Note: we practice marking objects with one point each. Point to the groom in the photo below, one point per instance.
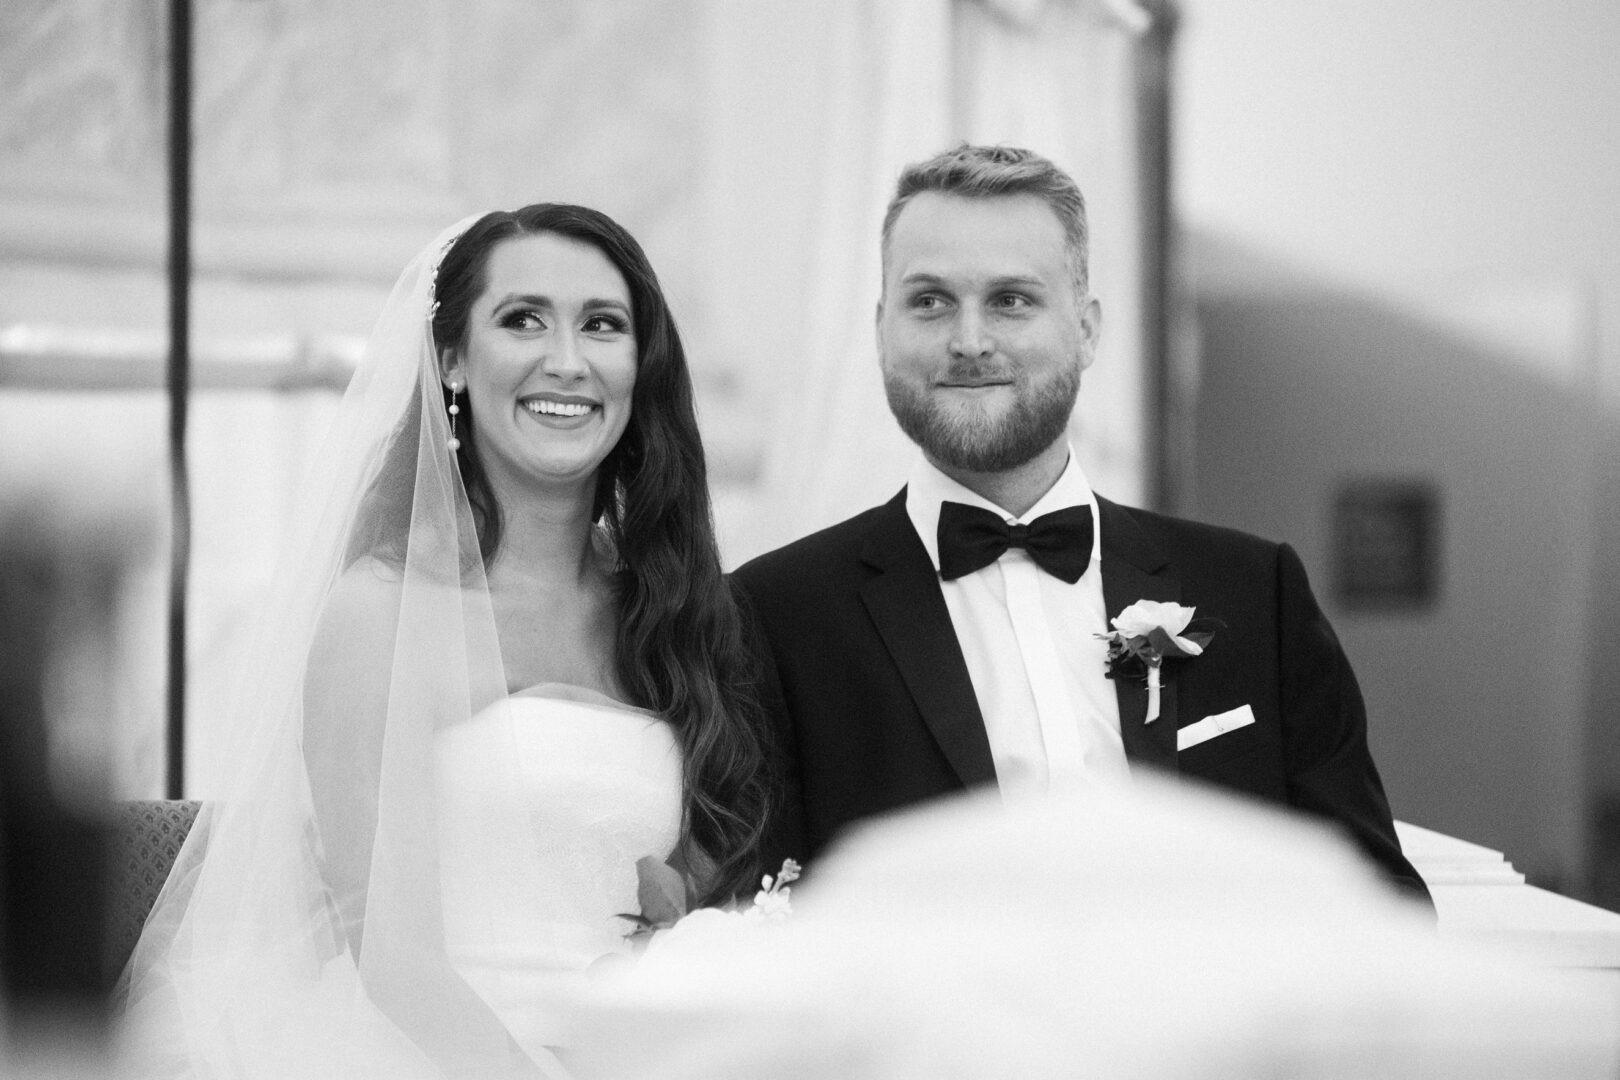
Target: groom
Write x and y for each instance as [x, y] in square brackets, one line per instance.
[950, 638]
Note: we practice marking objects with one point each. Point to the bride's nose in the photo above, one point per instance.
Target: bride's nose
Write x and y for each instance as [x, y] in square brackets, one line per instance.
[560, 357]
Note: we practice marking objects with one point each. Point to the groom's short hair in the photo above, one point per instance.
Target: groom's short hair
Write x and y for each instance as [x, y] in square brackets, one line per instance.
[983, 171]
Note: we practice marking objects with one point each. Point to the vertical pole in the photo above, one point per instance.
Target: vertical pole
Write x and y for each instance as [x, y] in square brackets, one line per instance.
[179, 379]
[1167, 421]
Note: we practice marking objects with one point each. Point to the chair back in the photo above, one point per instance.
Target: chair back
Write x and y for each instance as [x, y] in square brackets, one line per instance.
[147, 835]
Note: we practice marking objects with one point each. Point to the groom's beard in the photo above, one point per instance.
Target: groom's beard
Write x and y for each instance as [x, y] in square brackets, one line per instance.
[974, 440]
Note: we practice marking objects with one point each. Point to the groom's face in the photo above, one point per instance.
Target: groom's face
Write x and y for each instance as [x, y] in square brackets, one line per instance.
[981, 330]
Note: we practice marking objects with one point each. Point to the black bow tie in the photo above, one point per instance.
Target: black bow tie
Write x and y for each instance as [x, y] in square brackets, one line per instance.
[971, 538]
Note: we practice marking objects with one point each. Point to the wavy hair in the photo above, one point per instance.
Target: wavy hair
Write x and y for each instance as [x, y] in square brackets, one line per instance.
[680, 645]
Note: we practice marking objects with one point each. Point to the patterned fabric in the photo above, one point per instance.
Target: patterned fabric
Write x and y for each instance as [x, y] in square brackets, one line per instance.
[147, 835]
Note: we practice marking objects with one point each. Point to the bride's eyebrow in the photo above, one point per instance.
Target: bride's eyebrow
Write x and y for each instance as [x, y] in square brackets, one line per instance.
[531, 299]
[536, 300]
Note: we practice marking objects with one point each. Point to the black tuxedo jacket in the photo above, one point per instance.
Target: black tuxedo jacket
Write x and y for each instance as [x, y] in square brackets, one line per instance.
[882, 712]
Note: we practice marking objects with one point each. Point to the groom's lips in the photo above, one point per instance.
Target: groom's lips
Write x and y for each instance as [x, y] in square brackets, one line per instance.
[974, 377]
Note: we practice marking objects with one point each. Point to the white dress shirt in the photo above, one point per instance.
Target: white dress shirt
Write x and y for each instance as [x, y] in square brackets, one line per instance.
[1029, 639]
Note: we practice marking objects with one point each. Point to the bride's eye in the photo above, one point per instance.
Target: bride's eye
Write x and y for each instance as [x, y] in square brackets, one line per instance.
[605, 324]
[522, 319]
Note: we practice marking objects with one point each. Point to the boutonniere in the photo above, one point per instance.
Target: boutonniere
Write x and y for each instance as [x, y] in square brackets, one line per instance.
[1148, 633]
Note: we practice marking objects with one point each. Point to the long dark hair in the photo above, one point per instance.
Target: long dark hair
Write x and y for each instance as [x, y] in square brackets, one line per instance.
[680, 646]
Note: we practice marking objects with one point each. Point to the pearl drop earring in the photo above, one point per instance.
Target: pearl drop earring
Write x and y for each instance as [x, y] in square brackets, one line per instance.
[454, 410]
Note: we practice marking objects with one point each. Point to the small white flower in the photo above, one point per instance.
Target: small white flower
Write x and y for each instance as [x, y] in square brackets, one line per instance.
[771, 906]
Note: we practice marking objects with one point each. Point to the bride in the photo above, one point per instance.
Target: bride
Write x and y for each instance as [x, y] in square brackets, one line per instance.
[501, 668]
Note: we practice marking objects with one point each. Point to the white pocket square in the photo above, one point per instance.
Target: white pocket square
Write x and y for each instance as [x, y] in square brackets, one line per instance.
[1211, 726]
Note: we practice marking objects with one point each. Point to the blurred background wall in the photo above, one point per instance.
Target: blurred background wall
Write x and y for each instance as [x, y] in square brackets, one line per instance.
[1398, 270]
[1404, 251]
[750, 148]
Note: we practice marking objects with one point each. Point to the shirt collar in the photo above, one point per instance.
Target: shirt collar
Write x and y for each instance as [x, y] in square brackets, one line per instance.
[927, 487]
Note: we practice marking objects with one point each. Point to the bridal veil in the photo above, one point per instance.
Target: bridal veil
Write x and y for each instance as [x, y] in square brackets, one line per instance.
[300, 932]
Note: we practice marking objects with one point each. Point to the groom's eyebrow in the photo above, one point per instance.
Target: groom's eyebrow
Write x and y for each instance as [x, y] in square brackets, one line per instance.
[1017, 281]
[1023, 281]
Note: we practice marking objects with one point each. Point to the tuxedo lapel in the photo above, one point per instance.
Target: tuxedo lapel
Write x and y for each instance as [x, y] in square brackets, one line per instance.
[908, 609]
[1134, 569]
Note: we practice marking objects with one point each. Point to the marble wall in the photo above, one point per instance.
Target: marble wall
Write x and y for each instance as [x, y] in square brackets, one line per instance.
[328, 121]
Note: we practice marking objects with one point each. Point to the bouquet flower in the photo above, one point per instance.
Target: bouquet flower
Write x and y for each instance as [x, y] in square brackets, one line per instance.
[666, 896]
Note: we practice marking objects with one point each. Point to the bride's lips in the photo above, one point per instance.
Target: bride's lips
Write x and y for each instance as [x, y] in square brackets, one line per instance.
[560, 410]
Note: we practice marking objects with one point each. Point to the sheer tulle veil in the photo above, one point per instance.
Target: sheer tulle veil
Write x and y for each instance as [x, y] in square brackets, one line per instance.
[252, 963]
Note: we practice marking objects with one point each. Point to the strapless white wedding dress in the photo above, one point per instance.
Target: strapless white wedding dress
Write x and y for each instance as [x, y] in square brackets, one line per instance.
[538, 862]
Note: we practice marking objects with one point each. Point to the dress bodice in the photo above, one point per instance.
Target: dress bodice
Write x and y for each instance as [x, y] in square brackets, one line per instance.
[546, 799]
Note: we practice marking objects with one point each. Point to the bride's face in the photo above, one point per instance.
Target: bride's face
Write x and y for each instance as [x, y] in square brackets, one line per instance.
[549, 361]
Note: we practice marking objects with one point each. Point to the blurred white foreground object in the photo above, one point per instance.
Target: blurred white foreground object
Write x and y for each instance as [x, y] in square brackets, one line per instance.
[1146, 932]
[1481, 899]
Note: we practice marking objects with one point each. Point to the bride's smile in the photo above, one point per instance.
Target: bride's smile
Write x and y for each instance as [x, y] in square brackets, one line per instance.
[558, 408]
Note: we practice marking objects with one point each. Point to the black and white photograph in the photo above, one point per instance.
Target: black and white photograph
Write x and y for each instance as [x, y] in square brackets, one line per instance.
[809, 540]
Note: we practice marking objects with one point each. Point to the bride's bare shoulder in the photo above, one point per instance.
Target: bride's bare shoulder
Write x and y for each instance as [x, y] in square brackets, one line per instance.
[364, 601]
[351, 660]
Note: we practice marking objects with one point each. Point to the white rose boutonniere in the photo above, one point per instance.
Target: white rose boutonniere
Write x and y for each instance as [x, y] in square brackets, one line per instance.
[1149, 632]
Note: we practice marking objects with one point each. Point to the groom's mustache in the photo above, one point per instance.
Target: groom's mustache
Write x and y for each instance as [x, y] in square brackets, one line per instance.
[978, 374]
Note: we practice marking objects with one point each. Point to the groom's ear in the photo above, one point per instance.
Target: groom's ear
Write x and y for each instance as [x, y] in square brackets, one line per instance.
[1091, 331]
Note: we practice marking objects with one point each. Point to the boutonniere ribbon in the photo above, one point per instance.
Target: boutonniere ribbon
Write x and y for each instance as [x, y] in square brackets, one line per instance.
[1148, 633]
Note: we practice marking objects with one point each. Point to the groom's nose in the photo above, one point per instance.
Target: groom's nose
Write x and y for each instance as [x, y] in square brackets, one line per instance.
[970, 337]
